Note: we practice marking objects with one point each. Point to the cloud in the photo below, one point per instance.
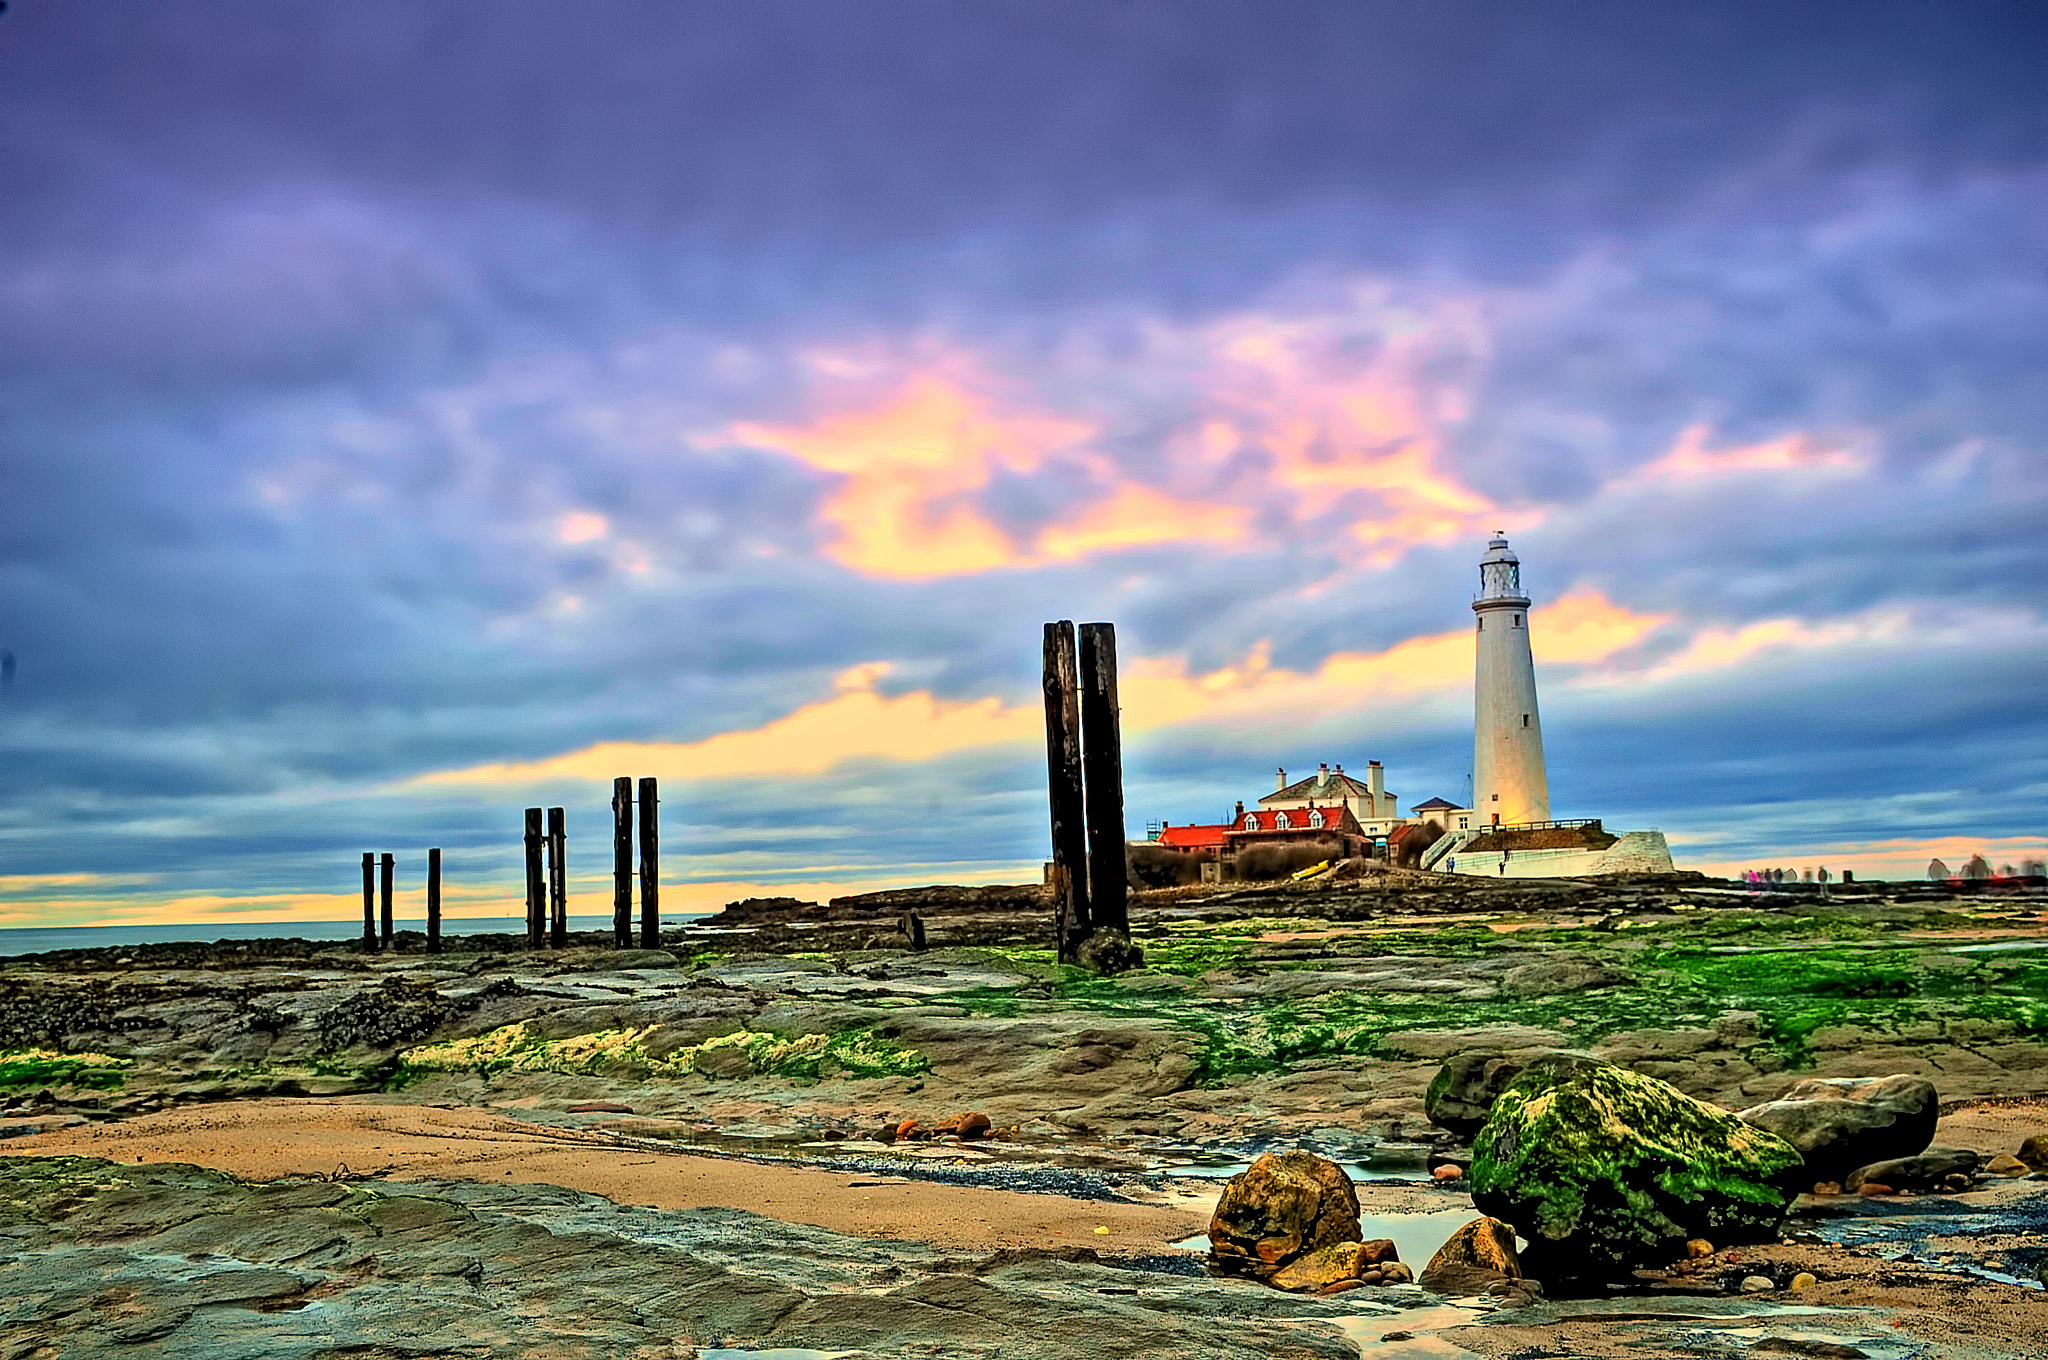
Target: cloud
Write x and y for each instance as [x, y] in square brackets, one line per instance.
[860, 722]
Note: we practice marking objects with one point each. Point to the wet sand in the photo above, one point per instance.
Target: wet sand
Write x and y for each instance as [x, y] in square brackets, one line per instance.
[270, 1139]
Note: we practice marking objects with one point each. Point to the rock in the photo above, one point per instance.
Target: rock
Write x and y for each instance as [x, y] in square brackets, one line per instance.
[1827, 1187]
[1698, 1249]
[1840, 1123]
[1478, 1257]
[2005, 1164]
[1757, 1284]
[1555, 977]
[1338, 1261]
[633, 960]
[600, 1107]
[1449, 1171]
[1108, 952]
[1873, 1189]
[1805, 1279]
[973, 1124]
[1603, 1170]
[1465, 1088]
[1818, 1350]
[1284, 1206]
[1395, 1272]
[2034, 1152]
[909, 1129]
[1924, 1172]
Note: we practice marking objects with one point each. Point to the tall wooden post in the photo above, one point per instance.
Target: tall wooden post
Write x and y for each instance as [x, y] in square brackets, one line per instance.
[622, 863]
[536, 883]
[434, 900]
[558, 878]
[1102, 777]
[369, 901]
[650, 866]
[386, 868]
[1063, 790]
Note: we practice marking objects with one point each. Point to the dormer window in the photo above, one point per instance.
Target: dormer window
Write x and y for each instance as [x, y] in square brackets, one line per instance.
[1315, 819]
[1251, 821]
[1280, 822]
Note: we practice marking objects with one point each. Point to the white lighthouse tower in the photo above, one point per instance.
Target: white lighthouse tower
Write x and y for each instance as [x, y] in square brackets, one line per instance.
[1508, 782]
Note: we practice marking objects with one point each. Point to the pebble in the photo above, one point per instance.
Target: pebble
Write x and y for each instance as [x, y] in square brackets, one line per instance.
[1449, 1171]
[1872, 1189]
[1757, 1284]
[1698, 1249]
[1805, 1279]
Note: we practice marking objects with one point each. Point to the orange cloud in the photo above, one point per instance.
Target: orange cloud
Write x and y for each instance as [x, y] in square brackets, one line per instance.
[908, 466]
[860, 722]
[1690, 459]
[1903, 857]
[1359, 439]
[857, 722]
[1335, 428]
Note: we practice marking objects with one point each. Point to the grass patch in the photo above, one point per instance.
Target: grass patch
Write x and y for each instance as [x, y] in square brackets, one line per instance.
[39, 1067]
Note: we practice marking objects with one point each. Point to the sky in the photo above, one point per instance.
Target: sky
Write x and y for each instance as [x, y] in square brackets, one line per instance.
[413, 412]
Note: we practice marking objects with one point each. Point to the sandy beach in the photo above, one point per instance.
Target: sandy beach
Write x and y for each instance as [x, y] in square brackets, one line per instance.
[265, 1140]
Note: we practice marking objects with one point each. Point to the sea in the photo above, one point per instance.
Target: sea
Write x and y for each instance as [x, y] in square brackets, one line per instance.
[40, 939]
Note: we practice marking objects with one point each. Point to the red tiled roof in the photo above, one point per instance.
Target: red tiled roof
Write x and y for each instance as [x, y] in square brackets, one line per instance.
[1193, 837]
[1335, 818]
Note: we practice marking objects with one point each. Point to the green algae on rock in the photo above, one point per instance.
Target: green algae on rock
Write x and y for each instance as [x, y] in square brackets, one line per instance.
[1604, 1170]
[521, 1047]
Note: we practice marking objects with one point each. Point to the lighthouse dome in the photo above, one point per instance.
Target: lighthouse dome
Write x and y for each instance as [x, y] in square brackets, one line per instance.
[1500, 572]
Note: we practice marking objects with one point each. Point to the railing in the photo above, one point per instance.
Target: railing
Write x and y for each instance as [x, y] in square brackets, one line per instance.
[1572, 822]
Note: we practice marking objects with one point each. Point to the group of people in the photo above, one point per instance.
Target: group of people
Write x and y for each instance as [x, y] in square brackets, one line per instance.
[1758, 878]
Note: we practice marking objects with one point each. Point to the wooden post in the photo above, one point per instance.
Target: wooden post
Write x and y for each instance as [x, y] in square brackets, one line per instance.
[536, 883]
[1102, 777]
[434, 900]
[386, 868]
[1063, 789]
[622, 863]
[558, 878]
[369, 902]
[650, 866]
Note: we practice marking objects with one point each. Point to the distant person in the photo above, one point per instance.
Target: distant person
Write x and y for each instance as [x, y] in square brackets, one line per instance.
[1936, 871]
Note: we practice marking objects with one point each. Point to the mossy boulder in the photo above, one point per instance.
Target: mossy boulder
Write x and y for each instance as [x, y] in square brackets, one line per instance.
[1285, 1206]
[1604, 1170]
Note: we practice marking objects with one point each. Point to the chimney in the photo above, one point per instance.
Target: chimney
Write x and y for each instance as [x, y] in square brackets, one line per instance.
[1323, 773]
[1280, 779]
[1237, 816]
[1376, 780]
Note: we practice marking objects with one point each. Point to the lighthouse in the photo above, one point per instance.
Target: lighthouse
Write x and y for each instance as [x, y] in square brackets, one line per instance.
[1508, 782]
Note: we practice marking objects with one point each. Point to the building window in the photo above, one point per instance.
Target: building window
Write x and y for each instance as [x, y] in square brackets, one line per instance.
[1251, 821]
[1518, 620]
[1280, 822]
[1315, 819]
[1482, 623]
[1525, 720]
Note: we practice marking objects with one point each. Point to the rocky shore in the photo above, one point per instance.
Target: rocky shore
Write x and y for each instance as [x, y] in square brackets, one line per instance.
[815, 1040]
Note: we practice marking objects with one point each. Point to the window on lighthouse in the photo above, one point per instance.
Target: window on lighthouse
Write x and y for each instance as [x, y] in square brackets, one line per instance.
[1518, 620]
[1525, 720]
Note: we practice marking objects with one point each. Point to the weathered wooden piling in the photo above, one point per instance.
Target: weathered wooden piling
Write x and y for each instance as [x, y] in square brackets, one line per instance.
[650, 865]
[434, 900]
[622, 862]
[369, 901]
[1063, 789]
[558, 878]
[386, 868]
[536, 883]
[1102, 779]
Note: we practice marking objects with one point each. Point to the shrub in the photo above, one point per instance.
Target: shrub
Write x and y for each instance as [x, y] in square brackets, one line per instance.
[1261, 862]
[1157, 866]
